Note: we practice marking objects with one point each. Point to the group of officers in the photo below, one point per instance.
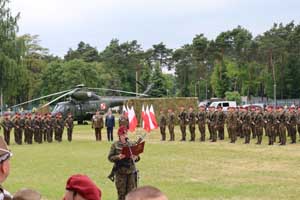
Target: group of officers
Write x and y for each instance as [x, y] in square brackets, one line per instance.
[38, 128]
[244, 122]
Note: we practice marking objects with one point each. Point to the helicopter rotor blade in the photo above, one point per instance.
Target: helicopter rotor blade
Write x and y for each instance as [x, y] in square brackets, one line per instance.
[57, 98]
[122, 91]
[36, 99]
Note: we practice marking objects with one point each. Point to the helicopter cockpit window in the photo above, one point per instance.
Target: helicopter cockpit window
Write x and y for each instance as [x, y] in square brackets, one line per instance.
[59, 108]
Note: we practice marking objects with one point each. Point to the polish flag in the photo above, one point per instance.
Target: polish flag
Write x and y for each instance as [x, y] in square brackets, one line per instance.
[152, 117]
[132, 119]
[149, 117]
[146, 123]
[125, 110]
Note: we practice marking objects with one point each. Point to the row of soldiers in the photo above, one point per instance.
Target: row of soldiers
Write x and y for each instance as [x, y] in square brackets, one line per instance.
[241, 122]
[38, 128]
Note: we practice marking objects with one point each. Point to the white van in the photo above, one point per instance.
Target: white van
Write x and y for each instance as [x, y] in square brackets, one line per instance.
[224, 104]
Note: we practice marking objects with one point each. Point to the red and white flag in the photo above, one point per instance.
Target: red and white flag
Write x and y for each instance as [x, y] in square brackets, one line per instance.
[132, 119]
[152, 117]
[125, 110]
[145, 118]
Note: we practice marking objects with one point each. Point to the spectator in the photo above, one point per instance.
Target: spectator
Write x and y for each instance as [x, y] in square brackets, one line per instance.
[27, 194]
[5, 154]
[146, 193]
[81, 187]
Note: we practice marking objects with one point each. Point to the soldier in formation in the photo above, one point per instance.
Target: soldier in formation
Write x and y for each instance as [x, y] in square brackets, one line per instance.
[69, 124]
[183, 119]
[171, 124]
[192, 123]
[162, 125]
[97, 124]
[201, 119]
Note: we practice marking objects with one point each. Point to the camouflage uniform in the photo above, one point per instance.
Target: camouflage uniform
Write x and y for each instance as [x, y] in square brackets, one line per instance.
[37, 130]
[183, 118]
[192, 124]
[291, 123]
[259, 124]
[246, 126]
[298, 121]
[212, 116]
[171, 124]
[69, 123]
[98, 124]
[220, 120]
[126, 178]
[201, 117]
[281, 118]
[18, 130]
[253, 129]
[7, 126]
[29, 130]
[123, 121]
[270, 128]
[232, 120]
[162, 126]
[59, 129]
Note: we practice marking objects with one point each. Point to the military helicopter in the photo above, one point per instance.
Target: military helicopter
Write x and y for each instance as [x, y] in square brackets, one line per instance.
[84, 102]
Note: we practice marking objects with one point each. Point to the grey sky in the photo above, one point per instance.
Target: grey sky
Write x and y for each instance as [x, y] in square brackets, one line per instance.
[61, 24]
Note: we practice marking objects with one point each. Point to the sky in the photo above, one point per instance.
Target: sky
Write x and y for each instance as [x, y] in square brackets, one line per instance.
[62, 24]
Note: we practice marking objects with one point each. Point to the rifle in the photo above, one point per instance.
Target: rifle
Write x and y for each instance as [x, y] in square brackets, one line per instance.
[111, 176]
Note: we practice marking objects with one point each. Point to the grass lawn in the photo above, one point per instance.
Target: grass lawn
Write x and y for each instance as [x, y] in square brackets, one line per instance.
[183, 170]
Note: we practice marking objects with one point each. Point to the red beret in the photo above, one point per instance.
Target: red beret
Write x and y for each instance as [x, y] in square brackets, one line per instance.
[84, 186]
[122, 130]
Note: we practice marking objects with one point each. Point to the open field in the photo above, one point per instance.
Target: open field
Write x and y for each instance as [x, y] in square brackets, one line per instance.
[183, 170]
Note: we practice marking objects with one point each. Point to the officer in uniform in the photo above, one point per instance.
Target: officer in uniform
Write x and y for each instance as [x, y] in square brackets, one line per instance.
[183, 119]
[49, 127]
[292, 122]
[59, 127]
[192, 123]
[37, 128]
[5, 155]
[7, 126]
[245, 119]
[123, 120]
[17, 129]
[298, 120]
[29, 126]
[211, 121]
[201, 118]
[270, 121]
[281, 120]
[69, 123]
[252, 114]
[232, 120]
[124, 168]
[171, 124]
[162, 125]
[259, 124]
[220, 120]
[97, 124]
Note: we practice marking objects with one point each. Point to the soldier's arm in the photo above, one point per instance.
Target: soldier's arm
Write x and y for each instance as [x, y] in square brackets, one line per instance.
[112, 156]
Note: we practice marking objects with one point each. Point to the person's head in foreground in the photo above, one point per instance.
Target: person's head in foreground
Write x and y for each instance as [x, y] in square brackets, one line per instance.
[27, 194]
[146, 193]
[81, 187]
[122, 133]
[5, 154]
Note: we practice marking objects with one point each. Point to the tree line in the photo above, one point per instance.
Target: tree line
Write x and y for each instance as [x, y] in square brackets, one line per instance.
[235, 63]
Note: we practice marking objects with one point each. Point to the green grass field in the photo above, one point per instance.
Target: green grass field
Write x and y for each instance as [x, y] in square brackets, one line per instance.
[183, 170]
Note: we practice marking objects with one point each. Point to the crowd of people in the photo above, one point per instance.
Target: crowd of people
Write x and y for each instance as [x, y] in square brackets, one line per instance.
[39, 128]
[241, 122]
[78, 186]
